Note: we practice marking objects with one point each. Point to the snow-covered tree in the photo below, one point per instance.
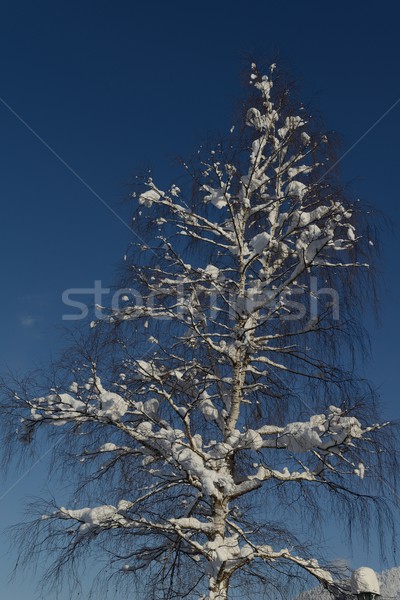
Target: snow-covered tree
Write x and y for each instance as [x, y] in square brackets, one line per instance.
[213, 412]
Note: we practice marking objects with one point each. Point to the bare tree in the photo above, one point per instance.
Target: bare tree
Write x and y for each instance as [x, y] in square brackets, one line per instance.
[213, 412]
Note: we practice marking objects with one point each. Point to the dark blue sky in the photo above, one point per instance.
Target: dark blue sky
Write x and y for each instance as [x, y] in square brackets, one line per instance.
[112, 87]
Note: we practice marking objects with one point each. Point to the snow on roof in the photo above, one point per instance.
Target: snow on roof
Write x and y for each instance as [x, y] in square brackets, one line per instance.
[364, 579]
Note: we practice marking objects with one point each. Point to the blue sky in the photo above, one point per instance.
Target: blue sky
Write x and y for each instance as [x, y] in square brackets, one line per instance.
[112, 87]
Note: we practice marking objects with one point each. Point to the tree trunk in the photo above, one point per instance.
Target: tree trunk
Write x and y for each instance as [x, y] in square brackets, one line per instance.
[219, 579]
[218, 589]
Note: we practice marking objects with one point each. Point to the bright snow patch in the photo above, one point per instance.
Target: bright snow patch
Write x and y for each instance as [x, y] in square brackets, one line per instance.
[364, 579]
[218, 197]
[147, 198]
[260, 242]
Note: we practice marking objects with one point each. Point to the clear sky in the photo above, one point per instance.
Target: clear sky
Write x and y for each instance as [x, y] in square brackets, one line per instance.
[112, 87]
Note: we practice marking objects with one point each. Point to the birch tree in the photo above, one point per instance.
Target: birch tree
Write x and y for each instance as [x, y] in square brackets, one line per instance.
[213, 411]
